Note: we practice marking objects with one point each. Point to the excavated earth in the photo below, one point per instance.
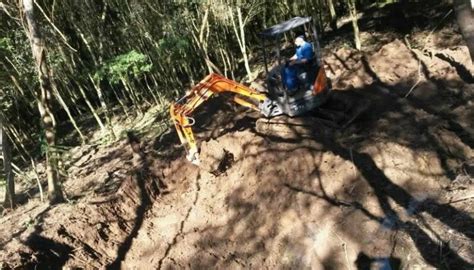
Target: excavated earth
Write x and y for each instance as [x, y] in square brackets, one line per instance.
[393, 188]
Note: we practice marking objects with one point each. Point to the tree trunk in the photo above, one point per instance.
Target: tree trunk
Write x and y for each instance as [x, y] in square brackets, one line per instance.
[465, 18]
[69, 114]
[44, 95]
[332, 14]
[201, 41]
[243, 46]
[105, 108]
[355, 26]
[240, 35]
[7, 166]
[91, 108]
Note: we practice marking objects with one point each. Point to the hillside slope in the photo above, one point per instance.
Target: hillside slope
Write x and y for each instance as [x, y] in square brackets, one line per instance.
[395, 187]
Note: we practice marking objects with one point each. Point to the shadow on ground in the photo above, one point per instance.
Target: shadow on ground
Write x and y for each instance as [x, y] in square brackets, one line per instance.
[427, 121]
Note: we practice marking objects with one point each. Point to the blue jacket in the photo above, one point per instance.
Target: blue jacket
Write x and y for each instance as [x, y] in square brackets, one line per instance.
[304, 51]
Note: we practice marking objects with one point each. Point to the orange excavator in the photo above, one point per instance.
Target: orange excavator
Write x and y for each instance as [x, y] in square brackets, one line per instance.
[311, 92]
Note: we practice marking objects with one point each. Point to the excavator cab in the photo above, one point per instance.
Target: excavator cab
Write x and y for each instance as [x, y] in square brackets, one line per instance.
[312, 88]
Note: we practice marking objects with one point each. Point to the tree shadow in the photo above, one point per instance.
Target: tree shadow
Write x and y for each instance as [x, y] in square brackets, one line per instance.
[431, 106]
[38, 219]
[394, 19]
[364, 262]
[462, 71]
[387, 105]
[384, 189]
[48, 253]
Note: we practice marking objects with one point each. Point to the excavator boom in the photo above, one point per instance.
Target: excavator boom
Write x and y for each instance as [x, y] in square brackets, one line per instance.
[182, 109]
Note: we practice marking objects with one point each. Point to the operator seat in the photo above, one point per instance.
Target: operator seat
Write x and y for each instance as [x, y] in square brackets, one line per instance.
[311, 73]
[308, 76]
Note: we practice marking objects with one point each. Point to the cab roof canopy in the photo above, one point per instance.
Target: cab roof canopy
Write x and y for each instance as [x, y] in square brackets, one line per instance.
[278, 29]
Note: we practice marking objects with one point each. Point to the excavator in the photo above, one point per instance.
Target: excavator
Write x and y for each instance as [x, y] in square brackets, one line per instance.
[276, 100]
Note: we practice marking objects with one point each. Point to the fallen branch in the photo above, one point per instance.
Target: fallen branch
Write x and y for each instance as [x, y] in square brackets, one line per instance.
[465, 198]
[344, 246]
[423, 50]
[418, 80]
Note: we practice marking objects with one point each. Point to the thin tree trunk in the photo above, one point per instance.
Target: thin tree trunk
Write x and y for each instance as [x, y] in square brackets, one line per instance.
[133, 97]
[197, 44]
[7, 166]
[44, 96]
[332, 14]
[243, 48]
[69, 114]
[240, 35]
[355, 26]
[155, 99]
[105, 108]
[465, 18]
[119, 99]
[17, 143]
[91, 108]
[201, 41]
[38, 182]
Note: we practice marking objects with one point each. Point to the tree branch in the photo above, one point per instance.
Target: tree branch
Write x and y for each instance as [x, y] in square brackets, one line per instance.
[54, 27]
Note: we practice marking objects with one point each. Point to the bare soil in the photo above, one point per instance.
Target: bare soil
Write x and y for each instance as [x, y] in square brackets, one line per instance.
[395, 187]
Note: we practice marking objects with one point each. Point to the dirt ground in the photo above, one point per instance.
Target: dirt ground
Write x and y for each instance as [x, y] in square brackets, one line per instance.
[393, 189]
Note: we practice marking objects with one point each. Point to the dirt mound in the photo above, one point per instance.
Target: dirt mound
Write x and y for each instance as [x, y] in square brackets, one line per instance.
[346, 69]
[100, 228]
[394, 187]
[215, 158]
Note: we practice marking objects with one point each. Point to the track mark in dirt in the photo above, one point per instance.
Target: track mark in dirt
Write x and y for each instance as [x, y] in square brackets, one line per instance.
[143, 178]
[181, 226]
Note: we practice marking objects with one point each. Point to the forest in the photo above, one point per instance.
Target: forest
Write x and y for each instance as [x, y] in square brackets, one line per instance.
[94, 175]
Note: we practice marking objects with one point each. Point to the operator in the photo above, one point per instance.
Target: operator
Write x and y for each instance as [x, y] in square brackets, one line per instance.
[304, 52]
[295, 72]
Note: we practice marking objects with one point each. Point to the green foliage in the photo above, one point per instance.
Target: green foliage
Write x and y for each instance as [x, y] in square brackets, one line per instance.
[172, 47]
[43, 145]
[5, 44]
[55, 60]
[129, 65]
[6, 98]
[30, 222]
[45, 149]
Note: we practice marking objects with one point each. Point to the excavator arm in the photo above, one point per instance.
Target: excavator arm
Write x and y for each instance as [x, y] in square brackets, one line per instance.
[181, 111]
